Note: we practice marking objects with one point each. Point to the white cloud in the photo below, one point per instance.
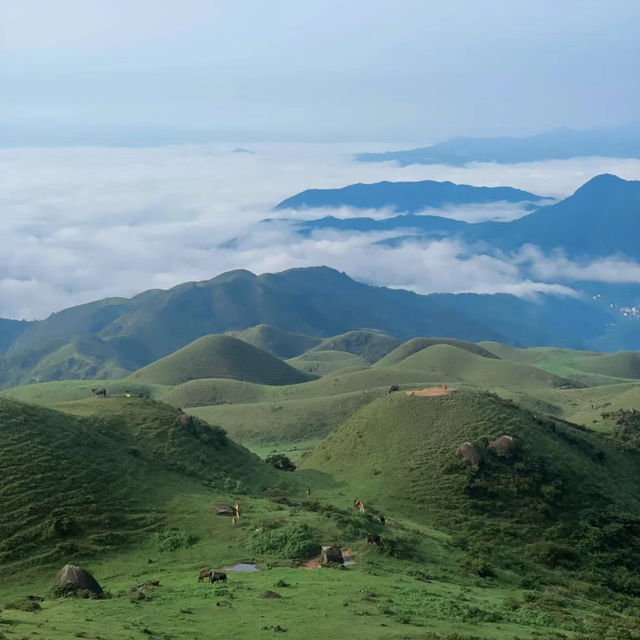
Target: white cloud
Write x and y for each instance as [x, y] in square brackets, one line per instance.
[80, 224]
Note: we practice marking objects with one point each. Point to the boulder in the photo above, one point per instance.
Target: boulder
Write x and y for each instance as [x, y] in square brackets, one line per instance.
[468, 454]
[223, 509]
[503, 445]
[332, 554]
[72, 578]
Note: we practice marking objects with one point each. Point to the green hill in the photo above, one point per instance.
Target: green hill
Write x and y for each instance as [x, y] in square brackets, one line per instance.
[589, 367]
[450, 363]
[369, 345]
[415, 345]
[282, 344]
[540, 506]
[219, 356]
[321, 363]
[72, 487]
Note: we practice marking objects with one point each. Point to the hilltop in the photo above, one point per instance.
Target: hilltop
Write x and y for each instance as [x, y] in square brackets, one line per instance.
[219, 356]
[407, 197]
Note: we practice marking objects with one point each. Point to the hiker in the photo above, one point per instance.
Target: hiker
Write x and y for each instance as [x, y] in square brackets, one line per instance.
[308, 493]
[237, 508]
[234, 520]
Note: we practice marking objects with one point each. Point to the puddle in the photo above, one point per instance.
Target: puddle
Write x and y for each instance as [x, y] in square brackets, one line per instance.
[244, 567]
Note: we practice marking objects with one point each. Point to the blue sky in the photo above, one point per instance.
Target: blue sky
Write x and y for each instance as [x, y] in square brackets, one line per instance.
[163, 71]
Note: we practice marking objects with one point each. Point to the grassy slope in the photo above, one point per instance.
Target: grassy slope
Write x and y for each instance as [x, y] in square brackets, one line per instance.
[451, 363]
[72, 486]
[280, 343]
[398, 452]
[371, 346]
[219, 356]
[410, 347]
[588, 367]
[321, 363]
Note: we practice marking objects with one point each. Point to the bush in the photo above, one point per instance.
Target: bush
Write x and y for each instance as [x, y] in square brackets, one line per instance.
[280, 461]
[174, 539]
[290, 541]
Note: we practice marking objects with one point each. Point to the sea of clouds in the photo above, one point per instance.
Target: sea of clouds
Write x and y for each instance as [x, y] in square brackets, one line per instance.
[79, 224]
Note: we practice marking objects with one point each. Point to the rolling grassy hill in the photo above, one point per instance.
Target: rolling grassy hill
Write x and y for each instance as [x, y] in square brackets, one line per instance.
[321, 363]
[73, 487]
[219, 356]
[282, 344]
[544, 502]
[410, 347]
[451, 363]
[369, 345]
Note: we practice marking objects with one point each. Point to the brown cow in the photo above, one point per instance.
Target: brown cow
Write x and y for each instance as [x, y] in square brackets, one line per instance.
[359, 505]
[205, 573]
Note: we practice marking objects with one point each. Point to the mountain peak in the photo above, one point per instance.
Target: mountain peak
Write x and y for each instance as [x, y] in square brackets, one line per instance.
[604, 182]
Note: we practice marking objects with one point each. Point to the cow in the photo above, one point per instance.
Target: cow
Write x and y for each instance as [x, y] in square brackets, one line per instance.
[382, 519]
[100, 392]
[218, 576]
[205, 573]
[393, 388]
[358, 504]
[373, 538]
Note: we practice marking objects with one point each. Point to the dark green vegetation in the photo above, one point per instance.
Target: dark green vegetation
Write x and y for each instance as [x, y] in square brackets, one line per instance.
[109, 338]
[409, 197]
[538, 541]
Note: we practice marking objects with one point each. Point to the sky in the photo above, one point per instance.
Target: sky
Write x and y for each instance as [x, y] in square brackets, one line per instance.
[180, 71]
[118, 119]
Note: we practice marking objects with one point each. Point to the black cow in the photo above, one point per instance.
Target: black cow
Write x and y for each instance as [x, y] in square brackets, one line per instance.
[372, 538]
[393, 388]
[218, 576]
[100, 392]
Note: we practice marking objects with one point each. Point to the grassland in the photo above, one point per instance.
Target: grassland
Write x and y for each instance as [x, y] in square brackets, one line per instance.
[219, 356]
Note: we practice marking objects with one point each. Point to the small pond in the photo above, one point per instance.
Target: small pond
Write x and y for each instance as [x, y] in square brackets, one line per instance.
[244, 567]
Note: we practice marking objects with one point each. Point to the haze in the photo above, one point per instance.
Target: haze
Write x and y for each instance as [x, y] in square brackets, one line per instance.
[161, 71]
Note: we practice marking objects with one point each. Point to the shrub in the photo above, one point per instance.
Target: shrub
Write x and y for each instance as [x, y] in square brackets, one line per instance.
[174, 539]
[280, 461]
[290, 541]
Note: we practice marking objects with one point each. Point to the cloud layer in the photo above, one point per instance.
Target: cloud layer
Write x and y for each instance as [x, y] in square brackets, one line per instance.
[85, 223]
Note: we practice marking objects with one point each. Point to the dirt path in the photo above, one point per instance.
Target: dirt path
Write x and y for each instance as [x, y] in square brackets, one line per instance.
[431, 391]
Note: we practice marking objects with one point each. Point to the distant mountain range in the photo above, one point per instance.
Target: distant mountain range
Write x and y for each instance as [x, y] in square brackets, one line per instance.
[406, 197]
[114, 336]
[618, 142]
[602, 218]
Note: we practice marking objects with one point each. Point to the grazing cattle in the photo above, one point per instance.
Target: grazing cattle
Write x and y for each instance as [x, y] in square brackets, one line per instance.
[205, 573]
[358, 504]
[372, 538]
[393, 388]
[100, 392]
[218, 576]
[382, 519]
